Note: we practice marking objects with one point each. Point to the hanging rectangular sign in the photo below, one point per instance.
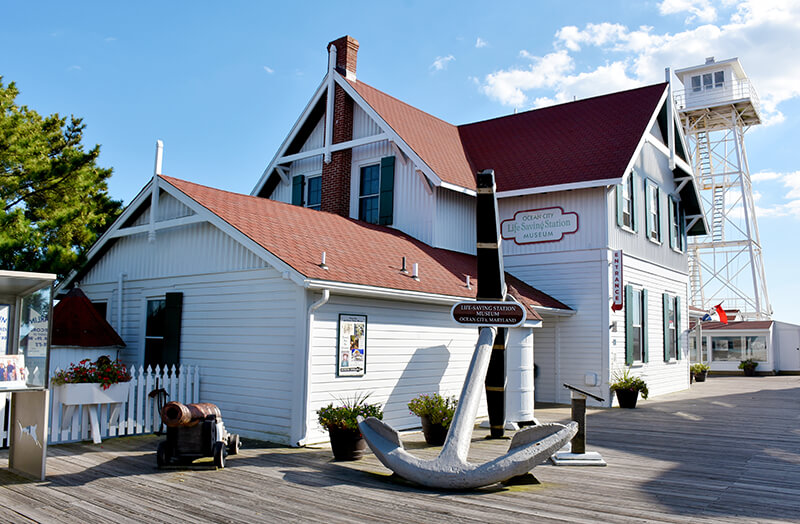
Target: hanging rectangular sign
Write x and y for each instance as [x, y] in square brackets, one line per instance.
[500, 314]
[616, 280]
[352, 354]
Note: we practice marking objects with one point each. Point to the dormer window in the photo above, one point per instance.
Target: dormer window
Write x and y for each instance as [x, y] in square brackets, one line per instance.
[369, 191]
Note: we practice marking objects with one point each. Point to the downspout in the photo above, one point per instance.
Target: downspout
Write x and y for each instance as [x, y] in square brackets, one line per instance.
[326, 295]
[120, 285]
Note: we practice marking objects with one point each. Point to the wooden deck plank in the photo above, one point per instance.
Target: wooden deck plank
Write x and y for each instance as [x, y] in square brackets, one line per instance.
[727, 450]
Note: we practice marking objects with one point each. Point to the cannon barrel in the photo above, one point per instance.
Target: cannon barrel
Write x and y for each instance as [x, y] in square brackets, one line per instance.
[174, 414]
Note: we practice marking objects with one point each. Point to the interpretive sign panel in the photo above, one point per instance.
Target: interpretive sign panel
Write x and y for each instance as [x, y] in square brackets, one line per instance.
[352, 355]
[500, 314]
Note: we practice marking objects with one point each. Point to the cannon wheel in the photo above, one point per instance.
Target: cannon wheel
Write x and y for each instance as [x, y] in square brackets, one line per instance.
[219, 454]
[234, 444]
[163, 455]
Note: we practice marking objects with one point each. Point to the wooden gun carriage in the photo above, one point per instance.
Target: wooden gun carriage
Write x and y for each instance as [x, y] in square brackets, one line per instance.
[195, 431]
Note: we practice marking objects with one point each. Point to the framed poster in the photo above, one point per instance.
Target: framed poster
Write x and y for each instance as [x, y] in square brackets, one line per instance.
[12, 372]
[351, 358]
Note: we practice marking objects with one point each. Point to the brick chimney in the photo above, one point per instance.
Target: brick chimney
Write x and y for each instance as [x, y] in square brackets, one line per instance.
[336, 174]
[346, 54]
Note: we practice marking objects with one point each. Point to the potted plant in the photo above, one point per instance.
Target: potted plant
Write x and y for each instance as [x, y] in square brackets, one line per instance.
[700, 371]
[436, 413]
[100, 382]
[341, 422]
[627, 387]
[748, 366]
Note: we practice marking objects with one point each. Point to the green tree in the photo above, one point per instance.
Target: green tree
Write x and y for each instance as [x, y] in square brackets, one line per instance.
[54, 199]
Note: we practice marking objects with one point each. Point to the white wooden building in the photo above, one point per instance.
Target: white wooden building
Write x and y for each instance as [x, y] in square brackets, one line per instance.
[380, 180]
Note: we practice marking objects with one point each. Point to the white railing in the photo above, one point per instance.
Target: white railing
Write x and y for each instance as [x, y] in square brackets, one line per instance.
[138, 415]
[719, 94]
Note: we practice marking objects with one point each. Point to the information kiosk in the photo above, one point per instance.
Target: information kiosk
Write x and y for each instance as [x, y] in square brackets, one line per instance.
[26, 303]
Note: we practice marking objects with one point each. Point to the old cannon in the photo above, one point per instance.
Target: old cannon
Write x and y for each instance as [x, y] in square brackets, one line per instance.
[195, 431]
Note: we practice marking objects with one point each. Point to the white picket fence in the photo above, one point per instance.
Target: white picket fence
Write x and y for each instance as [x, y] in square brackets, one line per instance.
[139, 415]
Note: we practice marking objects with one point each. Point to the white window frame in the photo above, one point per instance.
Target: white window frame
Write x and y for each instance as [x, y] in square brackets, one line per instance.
[653, 210]
[627, 203]
[307, 190]
[638, 300]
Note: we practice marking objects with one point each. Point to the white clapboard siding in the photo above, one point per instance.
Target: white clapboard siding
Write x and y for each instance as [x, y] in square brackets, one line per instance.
[661, 377]
[138, 415]
[411, 349]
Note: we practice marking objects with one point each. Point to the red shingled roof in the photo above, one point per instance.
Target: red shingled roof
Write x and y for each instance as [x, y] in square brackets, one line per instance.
[356, 252]
[436, 142]
[577, 142]
[77, 323]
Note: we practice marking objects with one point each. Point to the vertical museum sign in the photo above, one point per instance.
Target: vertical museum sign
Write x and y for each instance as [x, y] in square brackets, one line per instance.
[616, 280]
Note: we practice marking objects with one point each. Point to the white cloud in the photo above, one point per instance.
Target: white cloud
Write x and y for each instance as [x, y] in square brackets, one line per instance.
[110, 39]
[700, 10]
[762, 33]
[594, 34]
[269, 69]
[785, 191]
[480, 42]
[764, 176]
[74, 68]
[441, 62]
[508, 86]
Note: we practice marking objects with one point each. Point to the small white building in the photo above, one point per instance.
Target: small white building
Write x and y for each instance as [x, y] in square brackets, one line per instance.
[595, 201]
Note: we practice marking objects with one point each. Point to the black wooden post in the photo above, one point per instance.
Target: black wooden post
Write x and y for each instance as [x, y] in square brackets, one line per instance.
[491, 287]
[579, 416]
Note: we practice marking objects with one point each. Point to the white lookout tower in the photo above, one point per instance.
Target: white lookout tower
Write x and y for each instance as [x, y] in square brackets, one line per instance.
[717, 106]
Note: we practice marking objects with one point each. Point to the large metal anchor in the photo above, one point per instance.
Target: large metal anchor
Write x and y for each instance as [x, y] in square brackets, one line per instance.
[528, 447]
[450, 469]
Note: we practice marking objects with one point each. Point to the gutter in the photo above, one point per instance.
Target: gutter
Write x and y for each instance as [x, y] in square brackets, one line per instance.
[326, 295]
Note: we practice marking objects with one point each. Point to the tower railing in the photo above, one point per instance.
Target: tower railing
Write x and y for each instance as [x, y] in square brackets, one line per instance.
[720, 94]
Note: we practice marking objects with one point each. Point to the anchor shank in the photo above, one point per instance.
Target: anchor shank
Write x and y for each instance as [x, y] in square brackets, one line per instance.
[456, 447]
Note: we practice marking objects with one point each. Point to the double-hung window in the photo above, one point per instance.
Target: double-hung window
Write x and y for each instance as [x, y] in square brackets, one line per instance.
[626, 202]
[369, 193]
[376, 192]
[162, 338]
[635, 325]
[653, 210]
[672, 327]
[676, 226]
[314, 192]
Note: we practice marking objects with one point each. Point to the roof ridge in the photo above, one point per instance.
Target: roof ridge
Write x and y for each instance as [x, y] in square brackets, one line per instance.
[560, 105]
[400, 101]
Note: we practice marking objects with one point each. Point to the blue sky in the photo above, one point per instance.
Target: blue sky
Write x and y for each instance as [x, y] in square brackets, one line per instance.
[222, 83]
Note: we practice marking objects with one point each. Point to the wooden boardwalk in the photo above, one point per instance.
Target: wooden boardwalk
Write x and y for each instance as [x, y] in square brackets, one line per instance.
[727, 450]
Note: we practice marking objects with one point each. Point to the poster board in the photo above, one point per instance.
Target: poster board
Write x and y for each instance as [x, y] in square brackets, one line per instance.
[351, 356]
[13, 373]
[28, 429]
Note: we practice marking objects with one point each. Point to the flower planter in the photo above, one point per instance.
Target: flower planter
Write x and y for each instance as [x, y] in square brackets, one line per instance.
[435, 434]
[347, 444]
[88, 393]
[627, 398]
[700, 377]
[749, 372]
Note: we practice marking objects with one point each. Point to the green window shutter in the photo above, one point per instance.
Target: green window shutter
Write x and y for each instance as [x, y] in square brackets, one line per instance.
[298, 185]
[386, 199]
[634, 202]
[672, 218]
[628, 326]
[678, 326]
[172, 336]
[619, 205]
[648, 218]
[665, 305]
[645, 355]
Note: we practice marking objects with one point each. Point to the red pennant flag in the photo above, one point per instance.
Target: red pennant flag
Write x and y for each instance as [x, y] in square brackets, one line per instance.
[721, 312]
